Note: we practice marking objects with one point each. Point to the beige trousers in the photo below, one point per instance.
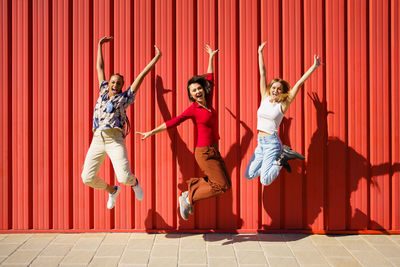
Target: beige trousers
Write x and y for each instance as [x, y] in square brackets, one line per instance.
[107, 142]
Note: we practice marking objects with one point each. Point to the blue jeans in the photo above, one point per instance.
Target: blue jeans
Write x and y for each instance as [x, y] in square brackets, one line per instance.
[263, 162]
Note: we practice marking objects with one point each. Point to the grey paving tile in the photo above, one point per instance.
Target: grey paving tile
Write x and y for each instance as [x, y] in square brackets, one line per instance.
[390, 251]
[104, 261]
[167, 238]
[279, 251]
[47, 261]
[270, 237]
[222, 262]
[324, 240]
[378, 239]
[87, 243]
[142, 236]
[164, 262]
[251, 257]
[220, 251]
[35, 243]
[67, 238]
[305, 257]
[140, 244]
[344, 261]
[164, 251]
[110, 250]
[247, 245]
[78, 257]
[283, 262]
[218, 238]
[7, 249]
[116, 238]
[21, 257]
[16, 238]
[93, 235]
[370, 258]
[135, 256]
[394, 261]
[359, 244]
[192, 244]
[333, 251]
[55, 249]
[192, 257]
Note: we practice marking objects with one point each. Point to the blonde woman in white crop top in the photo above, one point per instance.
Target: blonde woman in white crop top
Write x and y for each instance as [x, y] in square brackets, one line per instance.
[269, 156]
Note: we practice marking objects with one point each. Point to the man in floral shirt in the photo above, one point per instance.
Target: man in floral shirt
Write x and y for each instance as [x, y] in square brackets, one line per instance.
[109, 126]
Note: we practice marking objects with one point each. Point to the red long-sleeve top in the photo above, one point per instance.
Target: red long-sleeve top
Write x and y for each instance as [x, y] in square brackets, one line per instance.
[206, 122]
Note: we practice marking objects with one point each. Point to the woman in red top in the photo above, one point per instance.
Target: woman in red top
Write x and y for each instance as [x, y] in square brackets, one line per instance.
[205, 118]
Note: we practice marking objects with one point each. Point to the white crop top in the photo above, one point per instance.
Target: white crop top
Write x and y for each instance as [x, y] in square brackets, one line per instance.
[269, 116]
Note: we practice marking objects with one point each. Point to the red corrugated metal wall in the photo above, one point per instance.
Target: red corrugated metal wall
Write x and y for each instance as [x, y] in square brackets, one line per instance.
[346, 119]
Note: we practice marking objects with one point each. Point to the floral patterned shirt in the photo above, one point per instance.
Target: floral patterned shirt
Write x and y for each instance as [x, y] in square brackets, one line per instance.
[111, 112]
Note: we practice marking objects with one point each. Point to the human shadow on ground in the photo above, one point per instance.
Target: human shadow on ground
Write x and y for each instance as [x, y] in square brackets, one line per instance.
[361, 169]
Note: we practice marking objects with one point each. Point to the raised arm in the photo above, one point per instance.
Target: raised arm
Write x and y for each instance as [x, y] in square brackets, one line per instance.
[139, 79]
[212, 53]
[261, 66]
[297, 86]
[100, 63]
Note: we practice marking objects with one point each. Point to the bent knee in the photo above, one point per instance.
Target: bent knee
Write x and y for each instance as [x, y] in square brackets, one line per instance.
[87, 179]
[127, 180]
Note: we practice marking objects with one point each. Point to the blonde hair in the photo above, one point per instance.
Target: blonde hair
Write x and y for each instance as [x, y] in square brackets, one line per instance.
[285, 86]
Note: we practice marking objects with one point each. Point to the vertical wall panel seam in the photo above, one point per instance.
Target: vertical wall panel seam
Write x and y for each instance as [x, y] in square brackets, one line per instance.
[368, 116]
[260, 187]
[91, 95]
[50, 108]
[346, 95]
[153, 117]
[325, 152]
[238, 117]
[389, 108]
[70, 108]
[173, 114]
[304, 176]
[215, 15]
[133, 145]
[30, 115]
[196, 72]
[112, 70]
[283, 181]
[10, 86]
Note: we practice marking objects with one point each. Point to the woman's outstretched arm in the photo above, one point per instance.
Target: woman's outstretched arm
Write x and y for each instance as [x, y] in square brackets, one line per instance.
[100, 64]
[297, 86]
[263, 75]
[211, 53]
[139, 79]
[159, 129]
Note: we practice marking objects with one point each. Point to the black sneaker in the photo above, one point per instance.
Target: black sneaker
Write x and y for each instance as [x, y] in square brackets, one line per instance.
[286, 166]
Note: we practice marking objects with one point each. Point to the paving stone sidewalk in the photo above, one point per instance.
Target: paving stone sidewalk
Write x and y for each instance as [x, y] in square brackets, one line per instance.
[141, 249]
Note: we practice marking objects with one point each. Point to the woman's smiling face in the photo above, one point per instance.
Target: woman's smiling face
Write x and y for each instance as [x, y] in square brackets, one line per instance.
[275, 90]
[197, 93]
[115, 85]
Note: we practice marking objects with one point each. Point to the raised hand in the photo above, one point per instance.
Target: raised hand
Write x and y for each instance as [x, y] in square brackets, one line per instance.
[105, 39]
[158, 52]
[210, 51]
[261, 47]
[317, 61]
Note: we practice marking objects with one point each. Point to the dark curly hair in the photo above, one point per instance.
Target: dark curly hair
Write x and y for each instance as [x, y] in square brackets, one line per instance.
[200, 79]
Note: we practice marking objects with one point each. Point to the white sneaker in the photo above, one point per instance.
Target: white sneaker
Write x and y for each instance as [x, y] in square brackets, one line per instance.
[138, 190]
[186, 196]
[112, 198]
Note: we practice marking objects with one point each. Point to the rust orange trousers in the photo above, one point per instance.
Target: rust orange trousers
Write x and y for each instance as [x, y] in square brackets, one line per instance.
[216, 181]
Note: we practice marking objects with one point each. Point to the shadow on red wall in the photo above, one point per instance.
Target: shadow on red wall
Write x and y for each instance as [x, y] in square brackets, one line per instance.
[321, 141]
